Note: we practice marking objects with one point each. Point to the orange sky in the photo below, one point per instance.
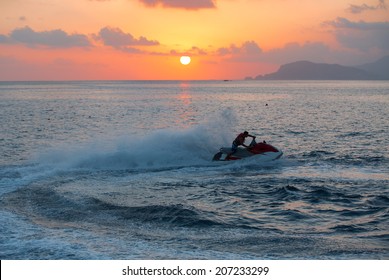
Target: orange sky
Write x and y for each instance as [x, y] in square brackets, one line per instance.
[144, 39]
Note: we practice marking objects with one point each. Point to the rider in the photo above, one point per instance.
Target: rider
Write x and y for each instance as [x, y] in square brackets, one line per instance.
[239, 141]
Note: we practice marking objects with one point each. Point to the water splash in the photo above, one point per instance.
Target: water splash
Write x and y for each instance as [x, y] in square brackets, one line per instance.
[162, 148]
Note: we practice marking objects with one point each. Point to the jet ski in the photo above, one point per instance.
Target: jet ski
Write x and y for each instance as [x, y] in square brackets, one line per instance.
[263, 150]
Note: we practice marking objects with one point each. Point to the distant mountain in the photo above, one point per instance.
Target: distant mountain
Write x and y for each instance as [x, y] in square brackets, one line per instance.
[306, 70]
[380, 68]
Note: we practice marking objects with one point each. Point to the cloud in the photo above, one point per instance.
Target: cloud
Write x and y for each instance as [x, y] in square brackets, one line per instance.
[3, 39]
[251, 48]
[117, 39]
[361, 35]
[357, 9]
[249, 51]
[113, 37]
[53, 38]
[181, 4]
[360, 25]
[317, 52]
[313, 51]
[198, 51]
[193, 51]
[293, 51]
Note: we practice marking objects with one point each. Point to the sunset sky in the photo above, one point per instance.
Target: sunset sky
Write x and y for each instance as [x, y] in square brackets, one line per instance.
[144, 39]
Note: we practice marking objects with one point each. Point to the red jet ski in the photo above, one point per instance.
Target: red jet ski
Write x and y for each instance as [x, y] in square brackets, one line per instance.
[261, 150]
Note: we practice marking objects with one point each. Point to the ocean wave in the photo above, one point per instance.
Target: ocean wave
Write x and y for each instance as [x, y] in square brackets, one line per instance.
[176, 214]
[45, 205]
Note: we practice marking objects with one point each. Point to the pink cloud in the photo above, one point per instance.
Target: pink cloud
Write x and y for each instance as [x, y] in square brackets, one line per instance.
[357, 9]
[120, 40]
[249, 51]
[52, 38]
[192, 51]
[115, 37]
[361, 35]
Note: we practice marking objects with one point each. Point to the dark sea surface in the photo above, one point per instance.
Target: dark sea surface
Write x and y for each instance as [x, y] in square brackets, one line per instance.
[124, 170]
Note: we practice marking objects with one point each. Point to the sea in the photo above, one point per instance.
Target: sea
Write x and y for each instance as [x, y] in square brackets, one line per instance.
[118, 170]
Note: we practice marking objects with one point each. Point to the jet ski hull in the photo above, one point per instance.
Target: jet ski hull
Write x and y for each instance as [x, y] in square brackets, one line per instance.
[261, 151]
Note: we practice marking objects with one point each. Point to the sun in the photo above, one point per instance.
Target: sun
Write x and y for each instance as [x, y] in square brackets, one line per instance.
[185, 60]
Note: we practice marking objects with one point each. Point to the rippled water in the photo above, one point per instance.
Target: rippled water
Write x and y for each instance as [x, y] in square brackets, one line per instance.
[123, 170]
